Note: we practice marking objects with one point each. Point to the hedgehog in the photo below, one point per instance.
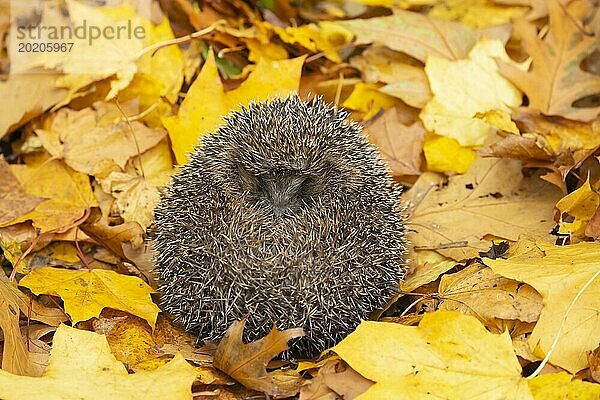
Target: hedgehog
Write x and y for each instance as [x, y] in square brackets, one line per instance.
[286, 215]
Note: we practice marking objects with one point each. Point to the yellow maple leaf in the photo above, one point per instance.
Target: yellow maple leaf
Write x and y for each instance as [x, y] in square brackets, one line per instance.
[81, 366]
[445, 154]
[326, 36]
[562, 386]
[368, 99]
[463, 88]
[68, 194]
[558, 274]
[476, 13]
[443, 357]
[576, 210]
[86, 293]
[206, 103]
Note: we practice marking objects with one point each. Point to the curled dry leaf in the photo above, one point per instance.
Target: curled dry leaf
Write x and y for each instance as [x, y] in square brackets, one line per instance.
[246, 363]
[335, 380]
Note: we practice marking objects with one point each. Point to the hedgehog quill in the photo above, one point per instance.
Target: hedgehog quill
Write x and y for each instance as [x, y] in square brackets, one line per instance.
[285, 214]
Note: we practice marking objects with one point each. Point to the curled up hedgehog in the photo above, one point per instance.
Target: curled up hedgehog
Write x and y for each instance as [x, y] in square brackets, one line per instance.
[285, 214]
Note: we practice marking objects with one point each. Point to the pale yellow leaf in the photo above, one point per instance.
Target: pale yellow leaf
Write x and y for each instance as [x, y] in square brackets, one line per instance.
[558, 275]
[86, 293]
[82, 367]
[449, 356]
[463, 88]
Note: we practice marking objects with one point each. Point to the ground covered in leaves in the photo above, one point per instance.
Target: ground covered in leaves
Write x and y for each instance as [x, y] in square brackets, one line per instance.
[485, 110]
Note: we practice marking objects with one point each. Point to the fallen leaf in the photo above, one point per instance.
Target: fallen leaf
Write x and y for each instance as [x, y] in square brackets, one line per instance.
[556, 79]
[415, 34]
[86, 293]
[400, 145]
[594, 363]
[463, 88]
[68, 194]
[478, 291]
[476, 13]
[441, 358]
[326, 36]
[593, 227]
[521, 147]
[81, 366]
[335, 380]
[368, 99]
[15, 357]
[246, 363]
[96, 141]
[403, 79]
[23, 107]
[444, 154]
[576, 210]
[562, 386]
[494, 192]
[427, 267]
[559, 275]
[14, 201]
[560, 133]
[270, 78]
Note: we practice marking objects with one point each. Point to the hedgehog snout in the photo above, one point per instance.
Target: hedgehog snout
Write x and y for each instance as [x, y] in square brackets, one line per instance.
[282, 191]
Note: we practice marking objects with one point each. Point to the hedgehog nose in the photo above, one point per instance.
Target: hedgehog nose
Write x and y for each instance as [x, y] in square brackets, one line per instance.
[282, 192]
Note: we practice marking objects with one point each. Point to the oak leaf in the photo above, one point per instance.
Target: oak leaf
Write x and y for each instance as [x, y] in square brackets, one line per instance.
[86, 293]
[81, 366]
[556, 79]
[246, 363]
[449, 355]
[559, 275]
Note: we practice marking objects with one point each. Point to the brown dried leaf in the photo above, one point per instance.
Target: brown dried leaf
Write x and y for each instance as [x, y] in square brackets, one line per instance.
[556, 79]
[96, 141]
[335, 380]
[113, 237]
[14, 201]
[400, 145]
[560, 133]
[246, 363]
[520, 147]
[593, 227]
[15, 357]
[594, 362]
